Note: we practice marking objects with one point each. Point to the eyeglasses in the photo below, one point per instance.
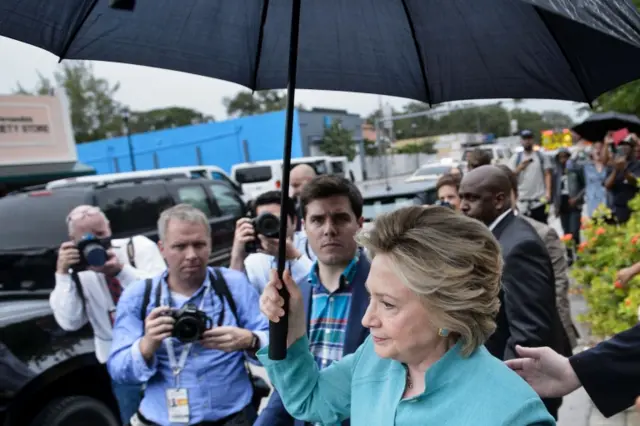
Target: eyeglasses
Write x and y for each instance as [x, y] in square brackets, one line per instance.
[89, 211]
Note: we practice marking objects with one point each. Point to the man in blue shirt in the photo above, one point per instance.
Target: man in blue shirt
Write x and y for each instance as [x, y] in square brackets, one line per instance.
[203, 382]
[334, 292]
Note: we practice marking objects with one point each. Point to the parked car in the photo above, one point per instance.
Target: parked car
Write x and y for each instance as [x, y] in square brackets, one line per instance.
[382, 201]
[431, 172]
[49, 376]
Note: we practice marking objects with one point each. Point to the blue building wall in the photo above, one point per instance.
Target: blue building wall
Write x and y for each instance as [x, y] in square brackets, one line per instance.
[220, 145]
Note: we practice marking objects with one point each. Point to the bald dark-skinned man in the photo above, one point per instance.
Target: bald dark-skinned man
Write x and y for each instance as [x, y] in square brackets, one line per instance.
[528, 298]
[299, 176]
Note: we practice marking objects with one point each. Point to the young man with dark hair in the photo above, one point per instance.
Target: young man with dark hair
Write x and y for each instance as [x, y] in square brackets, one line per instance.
[334, 292]
[258, 265]
[447, 188]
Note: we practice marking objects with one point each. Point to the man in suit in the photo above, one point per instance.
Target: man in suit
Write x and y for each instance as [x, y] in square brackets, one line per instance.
[609, 372]
[334, 292]
[528, 299]
[557, 253]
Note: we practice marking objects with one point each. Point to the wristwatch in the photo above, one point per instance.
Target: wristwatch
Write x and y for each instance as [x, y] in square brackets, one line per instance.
[255, 343]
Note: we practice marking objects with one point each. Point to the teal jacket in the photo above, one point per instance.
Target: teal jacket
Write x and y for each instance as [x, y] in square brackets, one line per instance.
[478, 390]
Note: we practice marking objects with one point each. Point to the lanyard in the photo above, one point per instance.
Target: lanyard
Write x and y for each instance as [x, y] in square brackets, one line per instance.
[177, 367]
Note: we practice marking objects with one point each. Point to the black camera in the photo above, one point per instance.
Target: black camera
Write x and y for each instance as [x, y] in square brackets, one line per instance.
[190, 323]
[93, 251]
[266, 224]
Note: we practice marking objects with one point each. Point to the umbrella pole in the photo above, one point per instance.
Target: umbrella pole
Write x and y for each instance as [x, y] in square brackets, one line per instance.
[278, 331]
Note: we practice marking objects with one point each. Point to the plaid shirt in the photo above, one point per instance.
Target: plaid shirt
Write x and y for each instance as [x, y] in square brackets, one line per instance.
[329, 315]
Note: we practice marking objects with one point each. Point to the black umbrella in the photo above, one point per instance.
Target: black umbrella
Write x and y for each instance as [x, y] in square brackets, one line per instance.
[596, 127]
[432, 51]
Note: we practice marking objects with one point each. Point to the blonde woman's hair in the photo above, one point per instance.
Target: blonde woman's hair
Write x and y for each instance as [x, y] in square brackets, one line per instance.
[453, 262]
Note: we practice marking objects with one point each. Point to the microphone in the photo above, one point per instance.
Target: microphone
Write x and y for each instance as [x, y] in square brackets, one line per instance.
[123, 4]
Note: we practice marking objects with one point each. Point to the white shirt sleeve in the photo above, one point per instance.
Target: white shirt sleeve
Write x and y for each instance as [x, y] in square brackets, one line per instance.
[257, 267]
[148, 257]
[67, 304]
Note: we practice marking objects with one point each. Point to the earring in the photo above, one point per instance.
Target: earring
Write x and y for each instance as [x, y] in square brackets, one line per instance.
[443, 332]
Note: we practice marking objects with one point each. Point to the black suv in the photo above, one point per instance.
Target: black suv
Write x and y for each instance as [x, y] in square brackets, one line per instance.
[49, 376]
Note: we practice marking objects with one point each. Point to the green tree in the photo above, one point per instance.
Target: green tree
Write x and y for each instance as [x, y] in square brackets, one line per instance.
[370, 148]
[165, 118]
[94, 112]
[424, 146]
[246, 103]
[625, 99]
[338, 141]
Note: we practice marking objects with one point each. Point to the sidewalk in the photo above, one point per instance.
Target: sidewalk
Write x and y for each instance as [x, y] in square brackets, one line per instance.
[577, 408]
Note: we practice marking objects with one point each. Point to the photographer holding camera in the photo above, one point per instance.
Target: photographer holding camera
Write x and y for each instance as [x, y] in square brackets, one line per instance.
[255, 244]
[91, 271]
[186, 333]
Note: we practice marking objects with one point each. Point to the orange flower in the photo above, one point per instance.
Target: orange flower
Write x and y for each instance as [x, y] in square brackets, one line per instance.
[627, 302]
[600, 231]
[594, 239]
[566, 237]
[635, 238]
[618, 285]
[583, 246]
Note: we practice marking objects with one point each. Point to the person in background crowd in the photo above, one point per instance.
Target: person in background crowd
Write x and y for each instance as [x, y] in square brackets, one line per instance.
[299, 176]
[557, 253]
[456, 171]
[334, 296]
[205, 380]
[258, 265]
[91, 295]
[534, 171]
[447, 188]
[609, 372]
[528, 313]
[621, 180]
[568, 196]
[478, 157]
[434, 285]
[595, 172]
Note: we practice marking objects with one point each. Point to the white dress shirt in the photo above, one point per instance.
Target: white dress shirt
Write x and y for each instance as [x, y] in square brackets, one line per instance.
[499, 219]
[67, 304]
[257, 266]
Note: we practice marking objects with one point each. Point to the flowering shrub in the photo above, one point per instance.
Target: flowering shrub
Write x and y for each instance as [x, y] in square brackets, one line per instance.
[605, 249]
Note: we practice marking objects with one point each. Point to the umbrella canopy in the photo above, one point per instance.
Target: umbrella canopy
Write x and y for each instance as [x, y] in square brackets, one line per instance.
[596, 127]
[432, 51]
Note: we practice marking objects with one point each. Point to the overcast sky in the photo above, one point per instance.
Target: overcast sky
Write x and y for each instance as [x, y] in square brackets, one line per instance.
[144, 88]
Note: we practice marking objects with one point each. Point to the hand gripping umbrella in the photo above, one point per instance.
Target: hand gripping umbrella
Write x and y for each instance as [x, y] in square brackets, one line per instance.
[431, 51]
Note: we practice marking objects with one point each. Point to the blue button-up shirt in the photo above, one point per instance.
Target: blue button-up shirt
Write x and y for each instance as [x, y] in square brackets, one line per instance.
[217, 382]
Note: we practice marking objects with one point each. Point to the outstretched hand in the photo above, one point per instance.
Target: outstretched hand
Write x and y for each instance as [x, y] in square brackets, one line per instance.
[272, 305]
[547, 372]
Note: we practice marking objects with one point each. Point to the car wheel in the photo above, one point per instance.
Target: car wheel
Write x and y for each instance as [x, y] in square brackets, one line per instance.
[76, 411]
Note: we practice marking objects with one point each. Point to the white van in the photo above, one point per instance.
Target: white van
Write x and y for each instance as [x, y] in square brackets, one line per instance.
[207, 172]
[262, 176]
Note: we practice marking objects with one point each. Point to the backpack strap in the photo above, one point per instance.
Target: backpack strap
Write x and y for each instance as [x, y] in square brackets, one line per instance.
[148, 284]
[220, 286]
[541, 160]
[131, 252]
[518, 158]
[76, 280]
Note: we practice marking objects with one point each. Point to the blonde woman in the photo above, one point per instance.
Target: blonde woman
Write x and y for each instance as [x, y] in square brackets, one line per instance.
[434, 285]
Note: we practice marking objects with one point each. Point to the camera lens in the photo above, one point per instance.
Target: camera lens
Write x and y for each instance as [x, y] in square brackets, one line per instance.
[187, 330]
[268, 225]
[94, 254]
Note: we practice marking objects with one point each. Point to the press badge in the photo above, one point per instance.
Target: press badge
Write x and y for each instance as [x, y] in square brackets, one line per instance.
[178, 405]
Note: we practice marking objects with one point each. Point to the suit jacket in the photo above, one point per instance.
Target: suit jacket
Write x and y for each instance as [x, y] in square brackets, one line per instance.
[528, 314]
[610, 372]
[274, 414]
[558, 254]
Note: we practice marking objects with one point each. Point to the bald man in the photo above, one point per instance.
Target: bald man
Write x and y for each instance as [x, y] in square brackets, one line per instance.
[299, 176]
[90, 293]
[528, 314]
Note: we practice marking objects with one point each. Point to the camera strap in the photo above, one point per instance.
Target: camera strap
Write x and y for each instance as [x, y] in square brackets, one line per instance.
[178, 365]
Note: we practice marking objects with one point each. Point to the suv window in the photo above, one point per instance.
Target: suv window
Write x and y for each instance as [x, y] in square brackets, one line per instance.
[337, 168]
[196, 196]
[133, 208]
[227, 200]
[253, 174]
[37, 219]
